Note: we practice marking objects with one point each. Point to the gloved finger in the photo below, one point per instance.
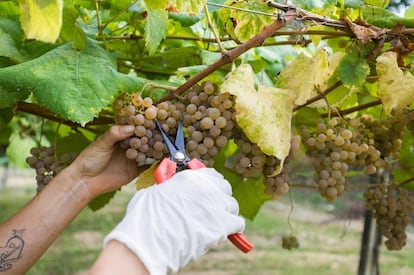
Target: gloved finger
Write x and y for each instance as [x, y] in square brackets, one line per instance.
[233, 224]
[232, 206]
[215, 178]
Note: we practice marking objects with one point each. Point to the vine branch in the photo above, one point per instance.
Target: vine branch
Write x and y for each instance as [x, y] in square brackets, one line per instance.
[356, 108]
[227, 58]
[43, 112]
[319, 96]
[404, 182]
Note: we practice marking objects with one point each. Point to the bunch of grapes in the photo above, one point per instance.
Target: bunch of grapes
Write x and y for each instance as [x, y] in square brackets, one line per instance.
[392, 207]
[207, 117]
[250, 159]
[333, 148]
[46, 164]
[386, 133]
[209, 121]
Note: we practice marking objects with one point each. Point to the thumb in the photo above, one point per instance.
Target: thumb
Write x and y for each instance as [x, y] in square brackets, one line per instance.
[114, 134]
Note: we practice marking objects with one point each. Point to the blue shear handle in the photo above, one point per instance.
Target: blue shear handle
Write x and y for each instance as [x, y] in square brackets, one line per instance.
[165, 170]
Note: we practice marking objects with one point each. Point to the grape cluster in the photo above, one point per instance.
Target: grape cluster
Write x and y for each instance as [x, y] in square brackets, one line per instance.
[278, 185]
[46, 164]
[386, 133]
[392, 208]
[333, 148]
[207, 117]
[290, 242]
[250, 159]
[209, 121]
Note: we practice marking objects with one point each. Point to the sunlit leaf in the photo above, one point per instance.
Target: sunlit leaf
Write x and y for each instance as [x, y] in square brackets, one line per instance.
[183, 6]
[395, 87]
[264, 115]
[244, 24]
[41, 19]
[155, 28]
[147, 178]
[18, 149]
[304, 74]
[409, 12]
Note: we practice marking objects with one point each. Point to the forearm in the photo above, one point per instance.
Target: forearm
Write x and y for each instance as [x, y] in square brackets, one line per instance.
[29, 233]
[116, 258]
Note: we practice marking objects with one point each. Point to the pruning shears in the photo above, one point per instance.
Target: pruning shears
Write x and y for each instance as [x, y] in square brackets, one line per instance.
[177, 161]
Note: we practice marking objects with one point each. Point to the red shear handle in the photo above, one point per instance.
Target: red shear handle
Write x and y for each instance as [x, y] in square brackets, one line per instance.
[195, 164]
[165, 170]
[240, 242]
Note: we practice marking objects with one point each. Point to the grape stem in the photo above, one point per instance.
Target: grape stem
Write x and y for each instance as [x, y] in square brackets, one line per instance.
[214, 31]
[319, 96]
[289, 217]
[404, 182]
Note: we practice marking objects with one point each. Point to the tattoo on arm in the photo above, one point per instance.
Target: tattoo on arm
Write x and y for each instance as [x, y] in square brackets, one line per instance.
[12, 250]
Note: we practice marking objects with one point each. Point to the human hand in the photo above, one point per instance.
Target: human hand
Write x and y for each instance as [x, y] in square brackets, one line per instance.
[103, 166]
[168, 225]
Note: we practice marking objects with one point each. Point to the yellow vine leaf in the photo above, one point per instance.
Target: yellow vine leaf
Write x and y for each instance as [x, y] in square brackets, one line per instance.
[395, 87]
[264, 114]
[41, 19]
[181, 6]
[305, 74]
[146, 178]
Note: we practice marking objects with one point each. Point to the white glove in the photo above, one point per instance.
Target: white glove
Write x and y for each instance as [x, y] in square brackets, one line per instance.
[168, 225]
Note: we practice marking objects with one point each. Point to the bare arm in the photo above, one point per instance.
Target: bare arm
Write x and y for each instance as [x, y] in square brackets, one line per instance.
[100, 168]
[116, 258]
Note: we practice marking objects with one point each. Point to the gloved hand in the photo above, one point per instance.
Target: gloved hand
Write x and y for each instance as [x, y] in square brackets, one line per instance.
[168, 225]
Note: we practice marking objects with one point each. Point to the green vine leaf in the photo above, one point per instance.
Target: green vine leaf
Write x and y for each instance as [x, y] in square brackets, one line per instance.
[155, 28]
[264, 115]
[405, 168]
[102, 200]
[41, 19]
[395, 87]
[353, 70]
[17, 148]
[10, 35]
[78, 92]
[384, 18]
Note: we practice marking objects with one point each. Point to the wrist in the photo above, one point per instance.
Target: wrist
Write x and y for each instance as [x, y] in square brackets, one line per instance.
[77, 184]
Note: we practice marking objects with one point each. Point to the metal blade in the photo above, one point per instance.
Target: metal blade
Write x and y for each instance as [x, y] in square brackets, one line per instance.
[170, 146]
[179, 139]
